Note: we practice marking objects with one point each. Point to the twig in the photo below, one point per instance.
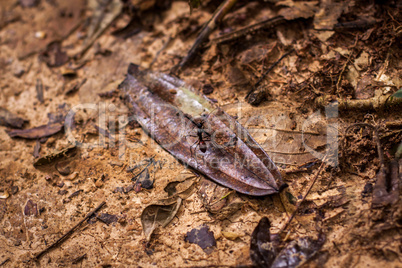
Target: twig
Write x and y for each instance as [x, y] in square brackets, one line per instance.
[159, 51]
[269, 23]
[304, 197]
[343, 70]
[219, 14]
[266, 73]
[78, 259]
[376, 103]
[69, 233]
[5, 261]
[39, 90]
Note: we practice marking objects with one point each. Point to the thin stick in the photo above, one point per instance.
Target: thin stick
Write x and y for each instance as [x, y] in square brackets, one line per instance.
[69, 233]
[304, 197]
[164, 46]
[343, 70]
[5, 261]
[267, 71]
[219, 14]
[269, 23]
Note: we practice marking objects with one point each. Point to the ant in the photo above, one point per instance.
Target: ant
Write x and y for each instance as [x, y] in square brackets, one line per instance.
[200, 134]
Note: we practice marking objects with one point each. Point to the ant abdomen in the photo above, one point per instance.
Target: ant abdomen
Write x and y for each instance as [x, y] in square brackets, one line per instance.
[203, 146]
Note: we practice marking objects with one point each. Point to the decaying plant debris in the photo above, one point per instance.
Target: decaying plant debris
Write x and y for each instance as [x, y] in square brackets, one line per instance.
[264, 248]
[152, 96]
[61, 64]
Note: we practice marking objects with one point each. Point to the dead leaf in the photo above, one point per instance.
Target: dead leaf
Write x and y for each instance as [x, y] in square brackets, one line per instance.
[326, 17]
[298, 252]
[203, 237]
[234, 76]
[182, 186]
[220, 201]
[107, 218]
[297, 9]
[53, 56]
[31, 208]
[47, 159]
[258, 175]
[256, 53]
[9, 119]
[364, 89]
[262, 250]
[36, 132]
[386, 188]
[155, 216]
[363, 61]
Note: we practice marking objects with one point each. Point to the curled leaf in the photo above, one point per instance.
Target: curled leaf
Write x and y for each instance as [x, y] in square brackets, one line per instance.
[155, 216]
[262, 250]
[386, 188]
[298, 252]
[218, 200]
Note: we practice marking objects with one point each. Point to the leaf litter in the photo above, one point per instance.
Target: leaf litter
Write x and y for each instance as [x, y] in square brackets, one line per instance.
[265, 248]
[162, 212]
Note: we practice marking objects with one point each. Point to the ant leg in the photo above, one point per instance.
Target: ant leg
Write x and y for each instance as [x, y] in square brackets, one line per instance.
[193, 136]
[195, 152]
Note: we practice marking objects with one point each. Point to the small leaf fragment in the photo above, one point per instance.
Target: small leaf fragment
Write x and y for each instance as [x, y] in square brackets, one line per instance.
[31, 208]
[203, 237]
[107, 218]
[397, 94]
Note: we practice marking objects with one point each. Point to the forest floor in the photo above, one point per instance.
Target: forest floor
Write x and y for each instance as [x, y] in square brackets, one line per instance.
[58, 56]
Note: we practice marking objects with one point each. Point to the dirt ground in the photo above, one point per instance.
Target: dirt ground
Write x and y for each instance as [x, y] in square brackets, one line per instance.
[51, 63]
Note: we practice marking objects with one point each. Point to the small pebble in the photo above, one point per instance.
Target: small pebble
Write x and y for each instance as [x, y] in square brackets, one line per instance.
[40, 35]
[99, 183]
